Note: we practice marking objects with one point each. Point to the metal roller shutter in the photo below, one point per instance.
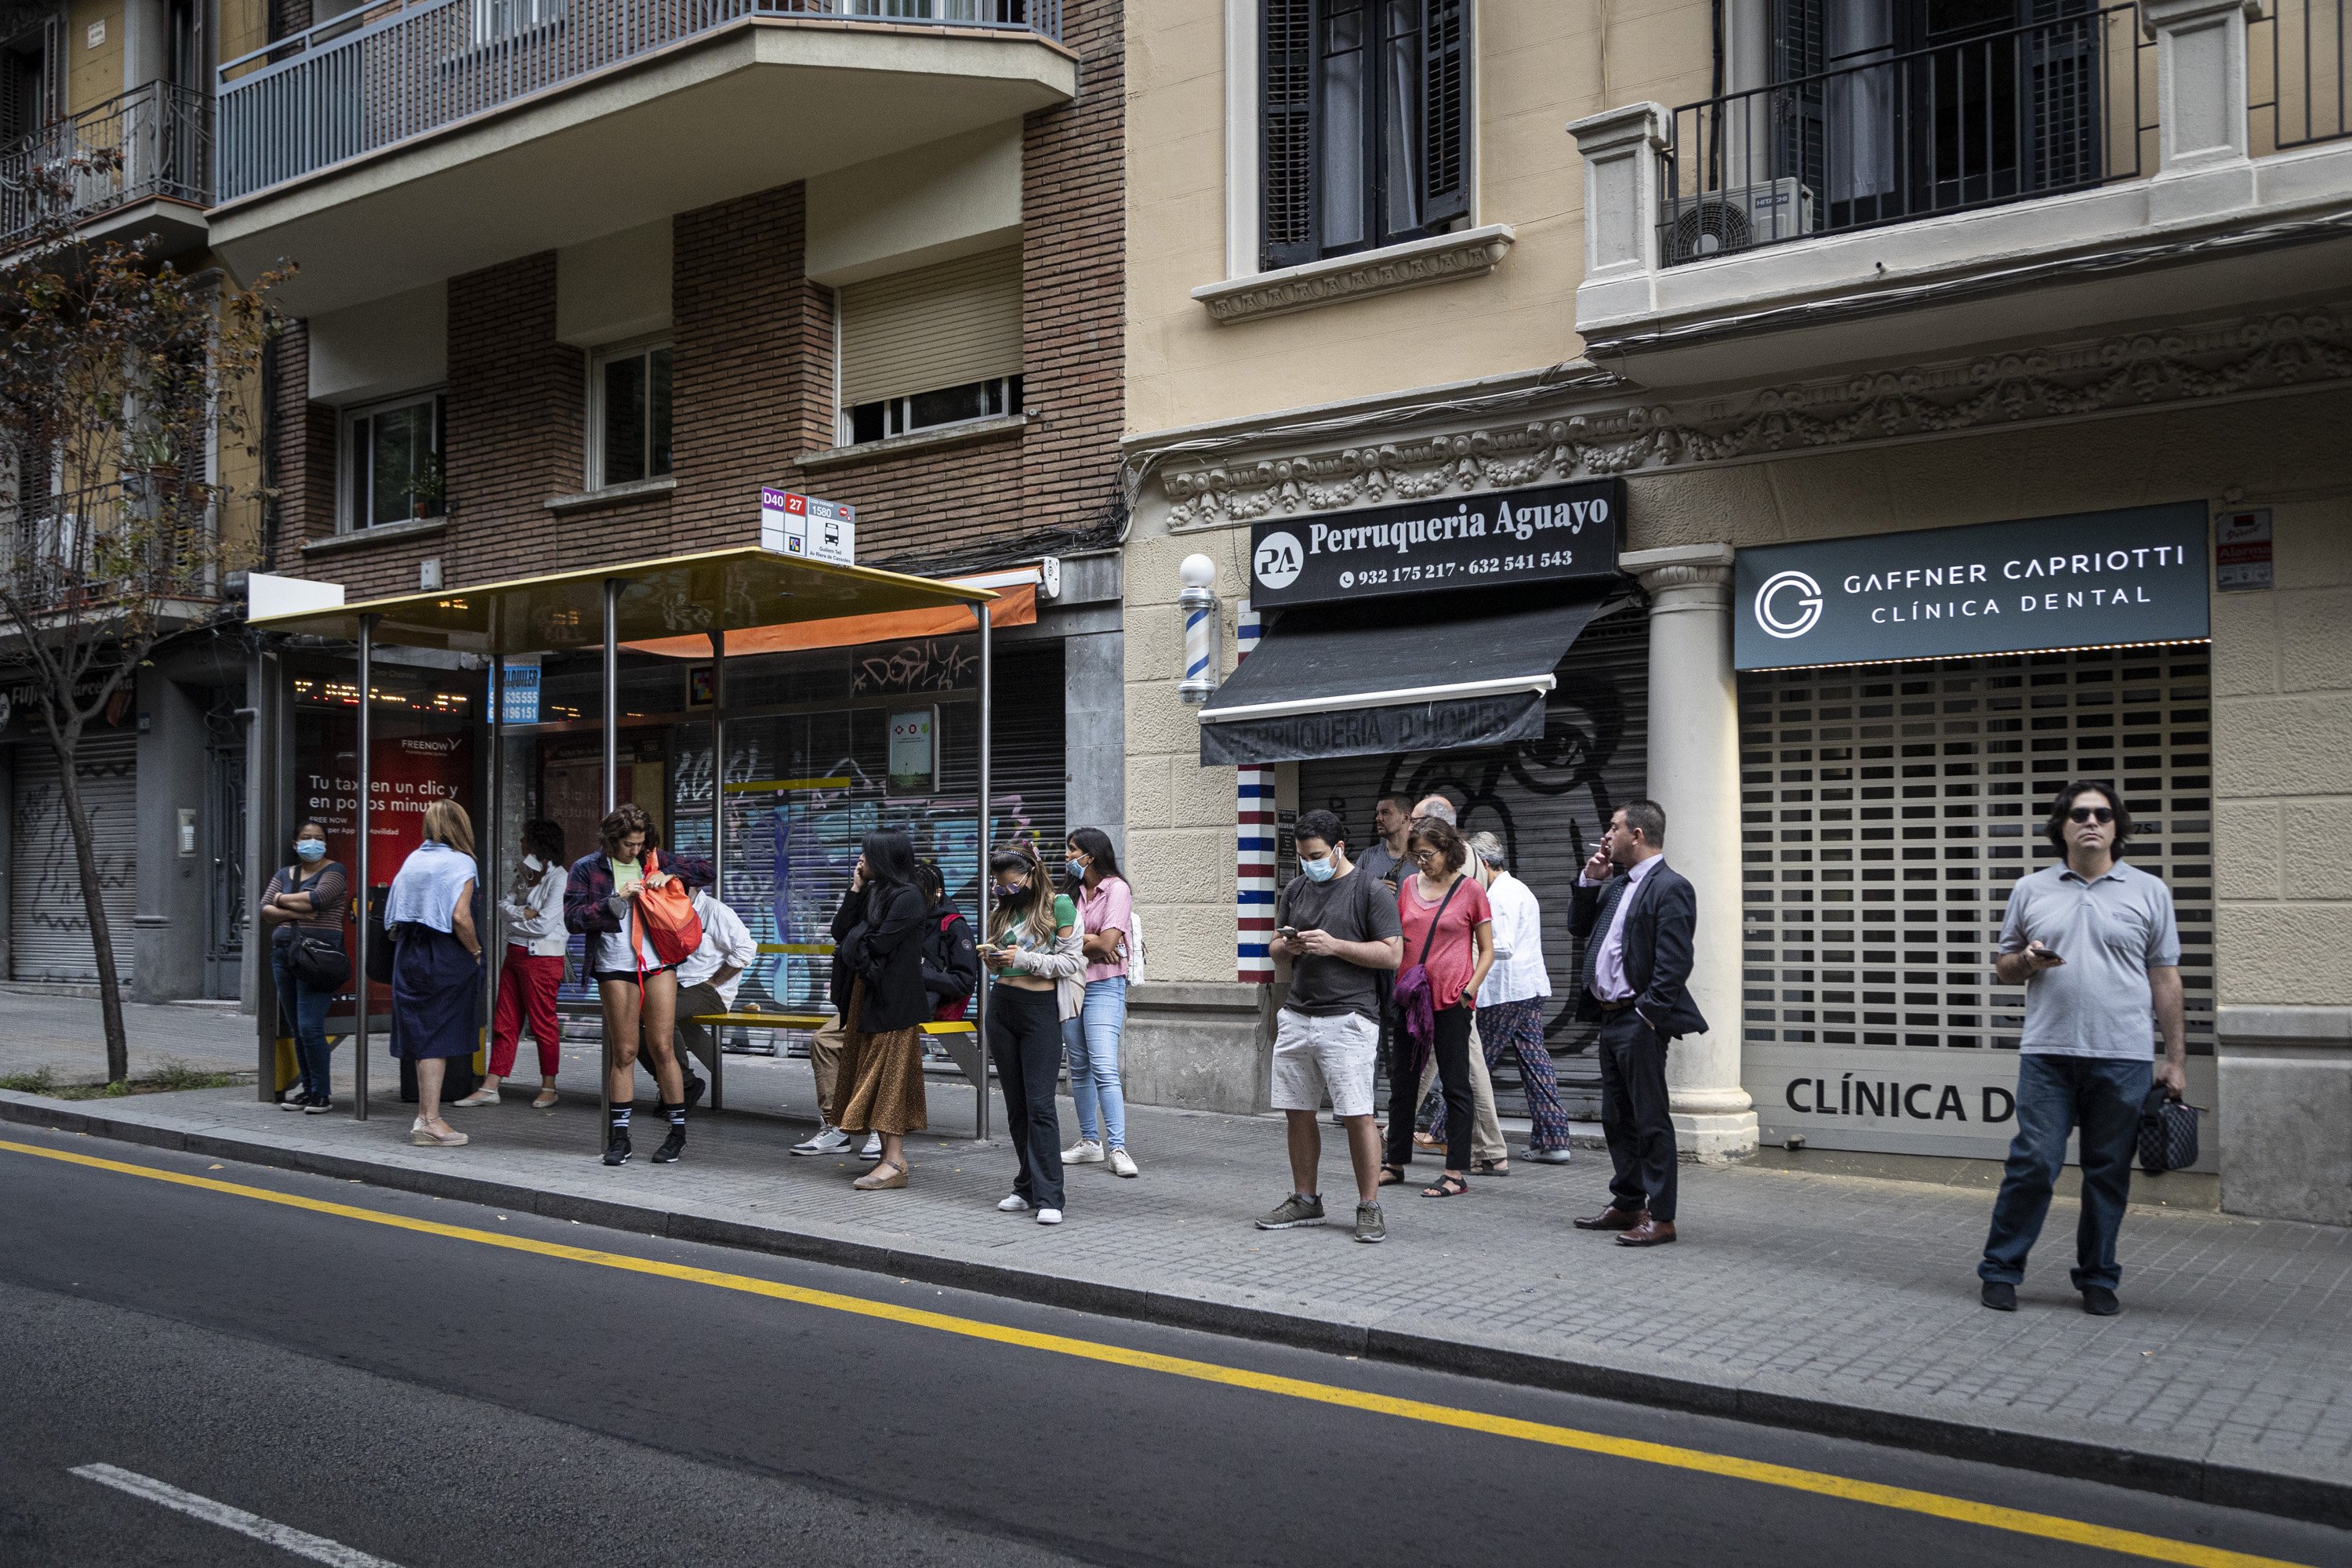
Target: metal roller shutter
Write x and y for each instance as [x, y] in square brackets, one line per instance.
[1888, 809]
[49, 933]
[933, 327]
[1549, 801]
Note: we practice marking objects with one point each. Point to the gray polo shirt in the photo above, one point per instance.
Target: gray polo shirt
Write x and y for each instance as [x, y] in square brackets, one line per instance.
[2111, 933]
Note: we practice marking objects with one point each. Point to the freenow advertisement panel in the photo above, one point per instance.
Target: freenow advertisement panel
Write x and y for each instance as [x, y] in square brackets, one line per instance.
[1503, 538]
[2090, 580]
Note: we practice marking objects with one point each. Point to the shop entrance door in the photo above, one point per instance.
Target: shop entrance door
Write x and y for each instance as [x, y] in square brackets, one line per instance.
[224, 901]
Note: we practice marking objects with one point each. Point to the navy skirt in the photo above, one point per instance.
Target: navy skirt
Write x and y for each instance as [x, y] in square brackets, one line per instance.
[436, 996]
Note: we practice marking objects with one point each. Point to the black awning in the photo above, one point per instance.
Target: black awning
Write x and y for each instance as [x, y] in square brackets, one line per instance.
[1367, 679]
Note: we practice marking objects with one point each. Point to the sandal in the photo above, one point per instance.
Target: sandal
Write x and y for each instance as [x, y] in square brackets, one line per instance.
[1490, 1167]
[547, 1097]
[1449, 1185]
[1391, 1176]
[884, 1177]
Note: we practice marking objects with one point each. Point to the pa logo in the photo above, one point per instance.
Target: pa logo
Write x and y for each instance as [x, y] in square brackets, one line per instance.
[1278, 561]
[1782, 593]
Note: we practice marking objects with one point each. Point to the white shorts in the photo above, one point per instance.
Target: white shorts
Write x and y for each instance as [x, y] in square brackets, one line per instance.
[1311, 1055]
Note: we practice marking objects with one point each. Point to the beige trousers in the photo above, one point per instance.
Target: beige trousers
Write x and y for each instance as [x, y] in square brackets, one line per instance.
[1485, 1132]
[824, 1061]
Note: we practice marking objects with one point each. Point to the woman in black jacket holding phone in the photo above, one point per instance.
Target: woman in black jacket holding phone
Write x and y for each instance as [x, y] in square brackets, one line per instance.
[879, 1083]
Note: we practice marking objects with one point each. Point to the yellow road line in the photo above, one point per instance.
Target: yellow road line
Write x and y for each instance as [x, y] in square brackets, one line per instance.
[2018, 1522]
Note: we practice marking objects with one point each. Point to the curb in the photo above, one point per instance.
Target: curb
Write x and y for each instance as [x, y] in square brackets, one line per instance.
[2181, 1472]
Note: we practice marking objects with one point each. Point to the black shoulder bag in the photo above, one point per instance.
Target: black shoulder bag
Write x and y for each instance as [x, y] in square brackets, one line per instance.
[318, 962]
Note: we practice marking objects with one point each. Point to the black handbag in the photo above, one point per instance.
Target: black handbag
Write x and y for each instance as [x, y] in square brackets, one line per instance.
[318, 962]
[2167, 1132]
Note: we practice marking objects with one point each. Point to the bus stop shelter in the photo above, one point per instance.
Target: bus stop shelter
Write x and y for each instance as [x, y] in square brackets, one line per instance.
[720, 596]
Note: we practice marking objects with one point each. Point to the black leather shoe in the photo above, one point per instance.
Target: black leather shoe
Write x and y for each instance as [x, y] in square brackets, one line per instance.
[616, 1149]
[2000, 1298]
[672, 1147]
[2100, 1301]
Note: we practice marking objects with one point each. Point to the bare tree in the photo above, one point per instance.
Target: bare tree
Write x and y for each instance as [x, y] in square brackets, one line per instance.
[123, 403]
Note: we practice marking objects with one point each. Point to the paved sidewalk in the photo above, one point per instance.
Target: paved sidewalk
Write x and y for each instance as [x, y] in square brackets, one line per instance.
[60, 1032]
[1831, 1302]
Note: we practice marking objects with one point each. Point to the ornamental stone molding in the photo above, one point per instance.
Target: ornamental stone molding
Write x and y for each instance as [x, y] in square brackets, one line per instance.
[1472, 253]
[2135, 371]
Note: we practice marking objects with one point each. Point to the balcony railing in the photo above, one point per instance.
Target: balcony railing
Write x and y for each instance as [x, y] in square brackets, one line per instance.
[159, 140]
[378, 76]
[110, 545]
[2310, 66]
[2003, 116]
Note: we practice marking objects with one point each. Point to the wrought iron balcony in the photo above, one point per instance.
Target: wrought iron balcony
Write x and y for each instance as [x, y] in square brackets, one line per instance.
[383, 74]
[153, 142]
[1884, 137]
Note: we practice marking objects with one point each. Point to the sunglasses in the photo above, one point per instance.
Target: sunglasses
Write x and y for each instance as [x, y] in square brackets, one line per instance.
[2091, 814]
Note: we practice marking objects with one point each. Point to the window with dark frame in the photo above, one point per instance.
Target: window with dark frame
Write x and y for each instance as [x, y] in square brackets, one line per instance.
[1365, 124]
[885, 418]
[393, 461]
[632, 416]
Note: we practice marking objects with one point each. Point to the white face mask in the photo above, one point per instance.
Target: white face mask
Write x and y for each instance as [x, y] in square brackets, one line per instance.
[534, 863]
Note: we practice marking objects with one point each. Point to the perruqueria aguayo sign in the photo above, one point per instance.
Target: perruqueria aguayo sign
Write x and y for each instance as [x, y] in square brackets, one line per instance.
[1505, 538]
[1903, 1101]
[2091, 580]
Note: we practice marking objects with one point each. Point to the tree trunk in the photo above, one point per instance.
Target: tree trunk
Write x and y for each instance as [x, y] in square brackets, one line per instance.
[67, 744]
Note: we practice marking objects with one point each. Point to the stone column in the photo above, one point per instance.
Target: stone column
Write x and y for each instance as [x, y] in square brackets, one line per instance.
[1695, 775]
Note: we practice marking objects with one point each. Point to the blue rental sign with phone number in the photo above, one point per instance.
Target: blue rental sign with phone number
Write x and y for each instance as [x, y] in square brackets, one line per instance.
[1503, 538]
[2091, 580]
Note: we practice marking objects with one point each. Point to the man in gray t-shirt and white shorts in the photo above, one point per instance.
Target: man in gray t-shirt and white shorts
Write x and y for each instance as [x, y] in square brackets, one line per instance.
[2095, 944]
[1336, 927]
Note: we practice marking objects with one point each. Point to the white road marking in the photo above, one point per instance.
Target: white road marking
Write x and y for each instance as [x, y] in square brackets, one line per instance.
[285, 1537]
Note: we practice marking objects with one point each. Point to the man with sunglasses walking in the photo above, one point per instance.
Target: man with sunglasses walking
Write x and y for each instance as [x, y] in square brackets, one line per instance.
[2095, 944]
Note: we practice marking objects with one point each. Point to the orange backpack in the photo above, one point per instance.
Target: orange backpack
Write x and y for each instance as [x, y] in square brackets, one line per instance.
[666, 915]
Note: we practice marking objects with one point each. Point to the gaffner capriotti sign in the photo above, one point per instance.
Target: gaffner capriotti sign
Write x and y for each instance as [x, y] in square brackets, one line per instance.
[2085, 581]
[1505, 537]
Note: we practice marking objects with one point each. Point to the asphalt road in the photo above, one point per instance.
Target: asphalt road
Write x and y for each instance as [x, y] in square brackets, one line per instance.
[428, 1399]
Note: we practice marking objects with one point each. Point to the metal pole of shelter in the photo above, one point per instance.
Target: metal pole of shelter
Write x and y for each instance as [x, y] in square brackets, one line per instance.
[612, 799]
[367, 790]
[987, 882]
[490, 865]
[718, 836]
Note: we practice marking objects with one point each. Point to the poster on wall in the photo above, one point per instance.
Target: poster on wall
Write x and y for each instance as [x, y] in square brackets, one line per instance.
[410, 773]
[914, 752]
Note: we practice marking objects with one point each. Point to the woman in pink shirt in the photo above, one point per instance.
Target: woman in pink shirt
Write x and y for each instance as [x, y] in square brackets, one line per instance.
[1090, 1040]
[1448, 928]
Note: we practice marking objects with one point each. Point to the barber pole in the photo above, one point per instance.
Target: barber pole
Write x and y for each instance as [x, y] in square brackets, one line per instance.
[1254, 843]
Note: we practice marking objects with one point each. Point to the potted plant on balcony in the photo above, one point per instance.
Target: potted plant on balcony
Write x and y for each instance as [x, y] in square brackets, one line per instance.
[425, 487]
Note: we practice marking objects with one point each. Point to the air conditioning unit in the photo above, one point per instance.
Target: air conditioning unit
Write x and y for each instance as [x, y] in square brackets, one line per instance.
[1715, 223]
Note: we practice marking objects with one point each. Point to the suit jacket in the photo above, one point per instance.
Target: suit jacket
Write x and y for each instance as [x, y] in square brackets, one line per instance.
[1658, 930]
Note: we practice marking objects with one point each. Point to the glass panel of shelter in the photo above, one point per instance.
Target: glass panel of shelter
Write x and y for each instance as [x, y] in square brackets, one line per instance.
[1888, 809]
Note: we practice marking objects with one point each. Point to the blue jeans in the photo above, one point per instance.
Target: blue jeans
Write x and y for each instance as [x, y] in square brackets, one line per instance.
[1091, 1042]
[308, 1008]
[2056, 1095]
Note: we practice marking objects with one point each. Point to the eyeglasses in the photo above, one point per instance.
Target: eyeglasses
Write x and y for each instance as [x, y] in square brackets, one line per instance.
[2092, 814]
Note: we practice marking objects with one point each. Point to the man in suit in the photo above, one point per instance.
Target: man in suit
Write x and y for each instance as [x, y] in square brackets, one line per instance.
[1635, 914]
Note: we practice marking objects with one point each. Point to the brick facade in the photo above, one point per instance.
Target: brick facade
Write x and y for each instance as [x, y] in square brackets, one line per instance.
[752, 390]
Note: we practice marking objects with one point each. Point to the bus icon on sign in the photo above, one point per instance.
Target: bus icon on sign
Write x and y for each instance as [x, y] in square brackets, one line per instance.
[1278, 561]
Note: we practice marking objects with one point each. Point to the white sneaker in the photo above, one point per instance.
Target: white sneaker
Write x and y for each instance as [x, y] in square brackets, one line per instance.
[873, 1150]
[1049, 1216]
[1122, 1164]
[1012, 1203]
[828, 1141]
[1084, 1151]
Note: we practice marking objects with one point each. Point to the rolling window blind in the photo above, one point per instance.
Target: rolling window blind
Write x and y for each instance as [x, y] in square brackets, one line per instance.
[934, 327]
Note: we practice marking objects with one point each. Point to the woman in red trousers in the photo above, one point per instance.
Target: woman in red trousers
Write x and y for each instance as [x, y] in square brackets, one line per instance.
[534, 964]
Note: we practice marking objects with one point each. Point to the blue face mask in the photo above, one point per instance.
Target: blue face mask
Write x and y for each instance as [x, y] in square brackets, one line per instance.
[1074, 868]
[1319, 870]
[310, 848]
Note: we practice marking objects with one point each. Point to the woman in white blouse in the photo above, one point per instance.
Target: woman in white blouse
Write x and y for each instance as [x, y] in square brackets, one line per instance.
[1511, 1001]
[534, 964]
